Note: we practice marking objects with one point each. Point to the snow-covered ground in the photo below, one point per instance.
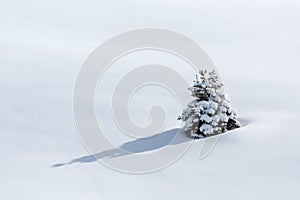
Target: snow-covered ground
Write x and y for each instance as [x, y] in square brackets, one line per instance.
[255, 45]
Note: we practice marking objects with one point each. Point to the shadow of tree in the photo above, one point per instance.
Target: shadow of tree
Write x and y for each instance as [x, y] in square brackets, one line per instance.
[170, 137]
[160, 140]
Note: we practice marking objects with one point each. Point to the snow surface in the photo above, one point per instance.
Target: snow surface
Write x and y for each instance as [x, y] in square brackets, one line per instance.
[255, 45]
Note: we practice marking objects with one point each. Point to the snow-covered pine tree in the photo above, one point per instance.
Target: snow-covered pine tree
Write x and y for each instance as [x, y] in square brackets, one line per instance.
[210, 112]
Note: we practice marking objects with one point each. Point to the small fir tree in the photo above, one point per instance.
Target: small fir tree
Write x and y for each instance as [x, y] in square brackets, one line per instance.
[210, 112]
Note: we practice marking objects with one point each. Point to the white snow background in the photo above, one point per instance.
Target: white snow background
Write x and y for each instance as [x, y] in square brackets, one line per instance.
[255, 45]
